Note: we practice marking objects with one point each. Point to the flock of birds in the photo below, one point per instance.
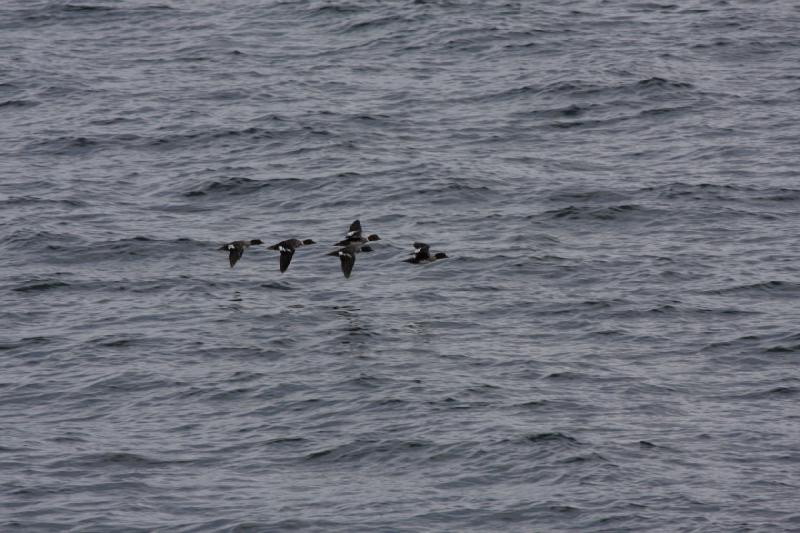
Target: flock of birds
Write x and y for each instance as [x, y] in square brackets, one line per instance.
[353, 243]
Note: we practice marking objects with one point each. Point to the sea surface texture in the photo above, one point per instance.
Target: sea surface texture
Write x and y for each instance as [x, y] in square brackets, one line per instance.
[612, 344]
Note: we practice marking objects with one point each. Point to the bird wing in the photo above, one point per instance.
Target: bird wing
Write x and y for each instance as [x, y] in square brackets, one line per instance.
[421, 250]
[355, 229]
[348, 259]
[286, 257]
[235, 254]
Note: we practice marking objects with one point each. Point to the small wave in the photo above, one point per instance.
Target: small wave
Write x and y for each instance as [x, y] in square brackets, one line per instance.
[94, 8]
[84, 8]
[551, 437]
[532, 404]
[365, 25]
[278, 286]
[365, 381]
[790, 344]
[565, 376]
[663, 83]
[180, 140]
[589, 196]
[448, 193]
[480, 189]
[592, 457]
[521, 46]
[105, 121]
[361, 449]
[65, 145]
[744, 342]
[582, 88]
[569, 87]
[614, 212]
[53, 12]
[778, 195]
[41, 286]
[104, 459]
[286, 440]
[115, 341]
[127, 381]
[699, 191]
[236, 186]
[336, 9]
[18, 104]
[789, 288]
[664, 111]
[139, 247]
[28, 200]
[782, 391]
[228, 185]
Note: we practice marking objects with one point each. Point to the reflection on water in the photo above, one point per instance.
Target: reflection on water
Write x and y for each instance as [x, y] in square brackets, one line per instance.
[355, 326]
[355, 331]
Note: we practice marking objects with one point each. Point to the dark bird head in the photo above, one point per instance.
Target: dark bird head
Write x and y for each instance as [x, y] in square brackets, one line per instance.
[308, 241]
[440, 255]
[256, 241]
[373, 237]
[335, 252]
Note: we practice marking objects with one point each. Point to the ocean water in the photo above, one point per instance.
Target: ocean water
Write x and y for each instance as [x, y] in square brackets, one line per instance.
[612, 344]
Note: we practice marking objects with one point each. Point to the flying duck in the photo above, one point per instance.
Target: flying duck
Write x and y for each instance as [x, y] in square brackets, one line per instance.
[422, 254]
[353, 243]
[287, 248]
[347, 256]
[354, 235]
[237, 248]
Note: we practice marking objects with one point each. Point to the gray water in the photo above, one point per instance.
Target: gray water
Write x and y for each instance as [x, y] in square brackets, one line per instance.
[612, 344]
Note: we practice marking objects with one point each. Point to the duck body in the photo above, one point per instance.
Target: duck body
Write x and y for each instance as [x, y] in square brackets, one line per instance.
[422, 254]
[355, 235]
[353, 243]
[236, 249]
[347, 256]
[287, 248]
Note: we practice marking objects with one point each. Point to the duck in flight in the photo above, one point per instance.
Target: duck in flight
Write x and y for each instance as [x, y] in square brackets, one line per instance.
[347, 257]
[287, 248]
[353, 243]
[354, 235]
[236, 249]
[422, 254]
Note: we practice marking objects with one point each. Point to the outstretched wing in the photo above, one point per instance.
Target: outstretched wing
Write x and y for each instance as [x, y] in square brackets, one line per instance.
[235, 253]
[421, 250]
[355, 230]
[286, 257]
[348, 259]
